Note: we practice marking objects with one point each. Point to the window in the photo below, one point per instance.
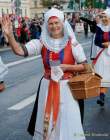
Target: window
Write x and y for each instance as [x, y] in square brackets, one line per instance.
[25, 12]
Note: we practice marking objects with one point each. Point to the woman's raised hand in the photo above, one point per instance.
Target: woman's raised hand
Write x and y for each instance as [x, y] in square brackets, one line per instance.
[6, 25]
[8, 33]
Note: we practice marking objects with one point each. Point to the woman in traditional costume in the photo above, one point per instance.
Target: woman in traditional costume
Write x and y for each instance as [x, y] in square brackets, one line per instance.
[93, 26]
[56, 114]
[101, 62]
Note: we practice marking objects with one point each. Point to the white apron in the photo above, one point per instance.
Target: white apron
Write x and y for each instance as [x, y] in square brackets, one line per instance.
[102, 67]
[68, 125]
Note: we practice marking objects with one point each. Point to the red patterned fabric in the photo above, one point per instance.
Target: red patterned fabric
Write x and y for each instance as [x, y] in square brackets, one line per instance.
[54, 56]
[106, 36]
[66, 60]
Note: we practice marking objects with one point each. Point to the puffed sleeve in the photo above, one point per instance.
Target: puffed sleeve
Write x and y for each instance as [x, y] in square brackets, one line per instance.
[99, 37]
[78, 53]
[33, 47]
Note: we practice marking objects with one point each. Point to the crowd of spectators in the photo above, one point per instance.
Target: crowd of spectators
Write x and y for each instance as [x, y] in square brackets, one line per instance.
[25, 29]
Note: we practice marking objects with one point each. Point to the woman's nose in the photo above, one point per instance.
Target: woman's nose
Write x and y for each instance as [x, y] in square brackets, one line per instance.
[54, 25]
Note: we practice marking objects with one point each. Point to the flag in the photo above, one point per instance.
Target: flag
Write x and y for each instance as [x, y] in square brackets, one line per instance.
[100, 4]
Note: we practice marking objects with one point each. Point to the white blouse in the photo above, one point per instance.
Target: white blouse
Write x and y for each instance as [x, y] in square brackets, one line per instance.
[34, 47]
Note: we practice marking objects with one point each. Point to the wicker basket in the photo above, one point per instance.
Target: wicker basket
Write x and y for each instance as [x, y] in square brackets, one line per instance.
[85, 85]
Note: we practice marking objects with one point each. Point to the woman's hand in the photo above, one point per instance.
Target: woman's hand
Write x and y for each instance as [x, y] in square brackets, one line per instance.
[65, 67]
[106, 44]
[72, 68]
[8, 33]
[6, 25]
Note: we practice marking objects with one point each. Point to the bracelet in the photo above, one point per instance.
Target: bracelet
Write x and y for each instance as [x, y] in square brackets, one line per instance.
[25, 50]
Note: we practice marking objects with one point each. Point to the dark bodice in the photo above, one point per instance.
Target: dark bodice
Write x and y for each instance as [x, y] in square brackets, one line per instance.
[101, 37]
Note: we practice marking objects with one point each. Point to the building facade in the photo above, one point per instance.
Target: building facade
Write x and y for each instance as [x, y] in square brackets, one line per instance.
[37, 8]
[30, 8]
[5, 7]
[9, 7]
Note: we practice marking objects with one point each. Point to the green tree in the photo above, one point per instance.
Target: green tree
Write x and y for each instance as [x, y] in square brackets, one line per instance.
[99, 4]
[71, 4]
[47, 3]
[95, 3]
[88, 3]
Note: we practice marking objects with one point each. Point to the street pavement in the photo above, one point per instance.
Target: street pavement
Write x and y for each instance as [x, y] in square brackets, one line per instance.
[97, 119]
[21, 86]
[17, 101]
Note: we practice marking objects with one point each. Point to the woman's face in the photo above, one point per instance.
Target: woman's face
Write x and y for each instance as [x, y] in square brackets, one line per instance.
[105, 19]
[55, 27]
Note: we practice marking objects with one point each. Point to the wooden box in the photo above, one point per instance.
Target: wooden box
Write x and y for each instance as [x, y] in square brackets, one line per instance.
[85, 86]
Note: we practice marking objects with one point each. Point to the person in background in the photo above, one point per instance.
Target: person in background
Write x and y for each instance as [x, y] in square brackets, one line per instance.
[92, 23]
[101, 62]
[38, 31]
[33, 29]
[93, 26]
[73, 21]
[86, 29]
[24, 37]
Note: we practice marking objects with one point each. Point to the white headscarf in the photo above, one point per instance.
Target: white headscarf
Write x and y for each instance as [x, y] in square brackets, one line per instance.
[107, 12]
[56, 44]
[106, 28]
